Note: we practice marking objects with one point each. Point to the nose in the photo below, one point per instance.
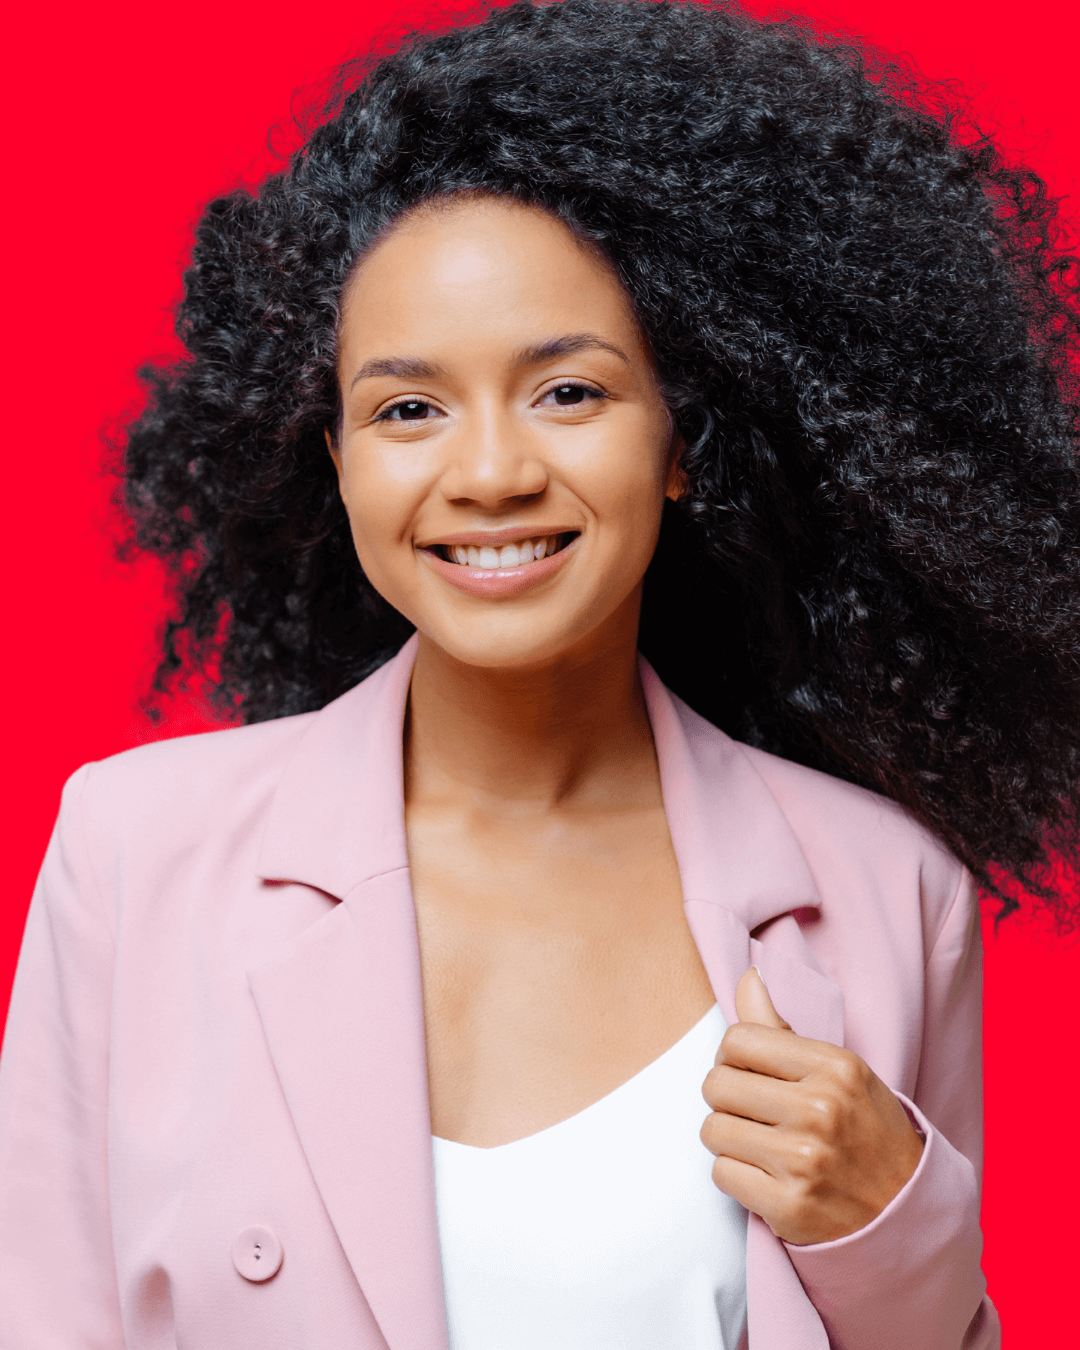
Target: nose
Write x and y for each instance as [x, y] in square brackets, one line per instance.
[493, 461]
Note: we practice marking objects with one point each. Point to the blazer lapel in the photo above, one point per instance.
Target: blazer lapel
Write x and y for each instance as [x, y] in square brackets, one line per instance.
[343, 1013]
[741, 867]
[724, 946]
[809, 1002]
[742, 870]
[342, 1004]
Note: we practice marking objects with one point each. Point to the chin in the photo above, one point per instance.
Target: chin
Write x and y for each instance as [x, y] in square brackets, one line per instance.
[523, 648]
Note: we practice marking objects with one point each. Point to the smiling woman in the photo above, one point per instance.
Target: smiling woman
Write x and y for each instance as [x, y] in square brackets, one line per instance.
[481, 992]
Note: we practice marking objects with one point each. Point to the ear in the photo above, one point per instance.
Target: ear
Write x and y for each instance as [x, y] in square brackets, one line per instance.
[335, 455]
[676, 483]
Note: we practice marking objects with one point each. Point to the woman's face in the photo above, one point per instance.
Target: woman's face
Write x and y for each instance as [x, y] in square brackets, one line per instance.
[504, 452]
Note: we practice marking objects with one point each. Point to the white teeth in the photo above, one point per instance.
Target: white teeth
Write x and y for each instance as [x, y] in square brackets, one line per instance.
[509, 555]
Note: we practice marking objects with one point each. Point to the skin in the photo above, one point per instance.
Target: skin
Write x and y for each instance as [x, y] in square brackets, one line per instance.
[494, 379]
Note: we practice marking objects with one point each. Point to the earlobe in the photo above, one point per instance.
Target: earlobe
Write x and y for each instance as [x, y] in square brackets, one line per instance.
[676, 487]
[676, 484]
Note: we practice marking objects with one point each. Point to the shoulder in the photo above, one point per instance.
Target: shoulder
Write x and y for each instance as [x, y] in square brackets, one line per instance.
[859, 843]
[208, 761]
[182, 787]
[850, 816]
[195, 809]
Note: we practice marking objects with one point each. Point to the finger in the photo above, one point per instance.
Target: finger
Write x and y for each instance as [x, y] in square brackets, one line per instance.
[754, 1189]
[753, 1004]
[746, 1141]
[754, 1096]
[779, 1054]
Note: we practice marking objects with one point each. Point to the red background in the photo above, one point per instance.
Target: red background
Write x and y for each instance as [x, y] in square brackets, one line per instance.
[124, 119]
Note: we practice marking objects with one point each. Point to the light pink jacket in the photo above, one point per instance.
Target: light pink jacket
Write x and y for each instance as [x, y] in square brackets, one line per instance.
[217, 1023]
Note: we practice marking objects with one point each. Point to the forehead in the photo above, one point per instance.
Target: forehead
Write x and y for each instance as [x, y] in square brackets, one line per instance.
[483, 265]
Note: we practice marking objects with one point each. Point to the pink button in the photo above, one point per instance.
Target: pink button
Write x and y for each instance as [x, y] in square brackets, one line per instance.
[257, 1253]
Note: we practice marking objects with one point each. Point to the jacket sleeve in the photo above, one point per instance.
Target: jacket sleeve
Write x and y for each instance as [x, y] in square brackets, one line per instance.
[57, 1274]
[912, 1276]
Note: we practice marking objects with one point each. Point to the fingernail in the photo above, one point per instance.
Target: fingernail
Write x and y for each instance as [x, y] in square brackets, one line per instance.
[760, 976]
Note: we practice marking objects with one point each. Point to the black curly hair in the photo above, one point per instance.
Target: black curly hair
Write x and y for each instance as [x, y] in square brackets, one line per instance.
[865, 331]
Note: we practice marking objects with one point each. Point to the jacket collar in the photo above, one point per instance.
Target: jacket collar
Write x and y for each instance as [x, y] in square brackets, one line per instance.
[733, 844]
[338, 814]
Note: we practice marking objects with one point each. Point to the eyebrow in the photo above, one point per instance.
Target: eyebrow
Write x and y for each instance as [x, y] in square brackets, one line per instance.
[565, 346]
[399, 367]
[414, 368]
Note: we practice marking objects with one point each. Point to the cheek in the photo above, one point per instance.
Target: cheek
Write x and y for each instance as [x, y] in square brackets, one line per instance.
[382, 491]
[624, 482]
[381, 507]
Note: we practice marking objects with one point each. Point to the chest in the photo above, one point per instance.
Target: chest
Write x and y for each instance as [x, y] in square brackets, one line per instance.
[556, 963]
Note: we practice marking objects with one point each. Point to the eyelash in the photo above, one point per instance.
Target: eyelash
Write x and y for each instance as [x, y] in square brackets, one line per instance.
[589, 390]
[384, 416]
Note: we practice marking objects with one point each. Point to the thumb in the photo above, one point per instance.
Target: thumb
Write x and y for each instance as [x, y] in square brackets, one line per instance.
[753, 1004]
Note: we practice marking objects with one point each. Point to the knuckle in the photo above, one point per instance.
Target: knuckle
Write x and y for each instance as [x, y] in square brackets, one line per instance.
[824, 1114]
[849, 1072]
[808, 1162]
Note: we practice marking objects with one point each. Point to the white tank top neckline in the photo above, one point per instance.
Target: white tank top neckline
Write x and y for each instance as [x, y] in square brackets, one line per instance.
[602, 1232]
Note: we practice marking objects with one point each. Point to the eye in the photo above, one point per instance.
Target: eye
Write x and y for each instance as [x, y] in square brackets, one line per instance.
[571, 395]
[408, 410]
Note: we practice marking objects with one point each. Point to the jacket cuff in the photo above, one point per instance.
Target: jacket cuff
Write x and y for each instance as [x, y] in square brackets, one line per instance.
[911, 1276]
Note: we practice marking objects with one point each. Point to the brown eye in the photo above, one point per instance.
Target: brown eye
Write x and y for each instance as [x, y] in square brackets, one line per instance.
[572, 395]
[411, 410]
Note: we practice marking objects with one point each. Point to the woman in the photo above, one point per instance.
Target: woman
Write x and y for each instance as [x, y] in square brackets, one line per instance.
[384, 1021]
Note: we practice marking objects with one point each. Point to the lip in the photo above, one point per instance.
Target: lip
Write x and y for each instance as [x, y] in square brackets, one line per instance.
[510, 534]
[496, 583]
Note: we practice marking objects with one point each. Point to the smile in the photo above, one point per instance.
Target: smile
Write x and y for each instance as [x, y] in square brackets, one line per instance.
[493, 559]
[501, 568]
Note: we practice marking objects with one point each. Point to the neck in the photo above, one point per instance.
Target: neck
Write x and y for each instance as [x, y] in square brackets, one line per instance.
[572, 729]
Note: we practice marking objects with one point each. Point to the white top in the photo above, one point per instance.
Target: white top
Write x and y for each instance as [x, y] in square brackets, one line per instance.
[603, 1232]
